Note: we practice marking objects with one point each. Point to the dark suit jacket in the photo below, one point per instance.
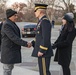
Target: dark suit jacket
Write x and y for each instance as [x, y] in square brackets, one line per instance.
[64, 47]
[43, 36]
[11, 43]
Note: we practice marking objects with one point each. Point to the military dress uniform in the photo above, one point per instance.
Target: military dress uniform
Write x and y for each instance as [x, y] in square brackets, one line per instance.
[42, 43]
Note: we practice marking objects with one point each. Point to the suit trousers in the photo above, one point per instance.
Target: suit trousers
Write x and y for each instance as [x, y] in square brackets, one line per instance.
[8, 69]
[44, 64]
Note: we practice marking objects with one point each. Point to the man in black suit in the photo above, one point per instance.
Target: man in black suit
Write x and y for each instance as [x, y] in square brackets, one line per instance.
[42, 44]
[11, 42]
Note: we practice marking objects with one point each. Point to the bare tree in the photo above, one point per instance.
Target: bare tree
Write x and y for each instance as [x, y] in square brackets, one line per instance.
[19, 7]
[2, 4]
[3, 1]
[49, 2]
[2, 8]
[66, 5]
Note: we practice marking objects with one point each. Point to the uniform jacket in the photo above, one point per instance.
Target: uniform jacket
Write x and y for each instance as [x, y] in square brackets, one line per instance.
[11, 43]
[64, 47]
[42, 41]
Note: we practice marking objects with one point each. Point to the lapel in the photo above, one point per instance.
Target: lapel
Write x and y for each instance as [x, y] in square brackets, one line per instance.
[14, 26]
[39, 22]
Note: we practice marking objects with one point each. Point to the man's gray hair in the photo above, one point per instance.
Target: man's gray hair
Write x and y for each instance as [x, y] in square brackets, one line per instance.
[43, 10]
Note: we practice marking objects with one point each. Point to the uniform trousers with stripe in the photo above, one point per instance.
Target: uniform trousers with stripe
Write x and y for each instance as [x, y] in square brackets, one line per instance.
[44, 64]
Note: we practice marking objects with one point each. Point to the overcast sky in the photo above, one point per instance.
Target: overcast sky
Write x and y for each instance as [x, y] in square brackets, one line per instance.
[9, 2]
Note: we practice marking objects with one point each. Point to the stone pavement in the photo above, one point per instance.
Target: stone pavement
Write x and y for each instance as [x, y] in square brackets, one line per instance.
[29, 64]
[19, 71]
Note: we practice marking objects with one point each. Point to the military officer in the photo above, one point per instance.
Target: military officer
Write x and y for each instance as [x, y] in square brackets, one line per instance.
[42, 42]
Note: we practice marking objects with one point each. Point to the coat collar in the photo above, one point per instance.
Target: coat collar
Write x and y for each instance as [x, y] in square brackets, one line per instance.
[8, 20]
[42, 17]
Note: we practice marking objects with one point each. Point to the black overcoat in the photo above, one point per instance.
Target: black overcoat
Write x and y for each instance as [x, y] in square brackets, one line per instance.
[64, 47]
[0, 32]
[42, 41]
[11, 43]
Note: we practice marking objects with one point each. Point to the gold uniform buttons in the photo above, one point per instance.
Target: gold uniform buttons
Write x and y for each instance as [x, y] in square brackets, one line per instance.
[38, 32]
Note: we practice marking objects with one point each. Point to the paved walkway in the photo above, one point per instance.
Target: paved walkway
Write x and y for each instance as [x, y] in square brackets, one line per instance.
[29, 64]
[20, 71]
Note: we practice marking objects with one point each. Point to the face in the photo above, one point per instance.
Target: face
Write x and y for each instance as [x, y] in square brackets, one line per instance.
[63, 21]
[37, 13]
[14, 17]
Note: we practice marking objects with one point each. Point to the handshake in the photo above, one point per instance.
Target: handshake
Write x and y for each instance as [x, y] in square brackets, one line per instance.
[29, 44]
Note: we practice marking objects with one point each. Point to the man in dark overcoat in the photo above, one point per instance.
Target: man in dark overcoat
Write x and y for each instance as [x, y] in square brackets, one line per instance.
[42, 43]
[0, 35]
[3, 20]
[11, 42]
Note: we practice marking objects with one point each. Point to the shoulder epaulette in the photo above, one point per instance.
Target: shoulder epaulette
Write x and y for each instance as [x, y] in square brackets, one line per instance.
[45, 18]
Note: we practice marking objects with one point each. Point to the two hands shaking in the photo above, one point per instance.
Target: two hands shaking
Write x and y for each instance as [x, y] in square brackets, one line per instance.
[30, 44]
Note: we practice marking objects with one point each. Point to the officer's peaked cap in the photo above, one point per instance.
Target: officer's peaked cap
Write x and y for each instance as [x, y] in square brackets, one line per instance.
[40, 6]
